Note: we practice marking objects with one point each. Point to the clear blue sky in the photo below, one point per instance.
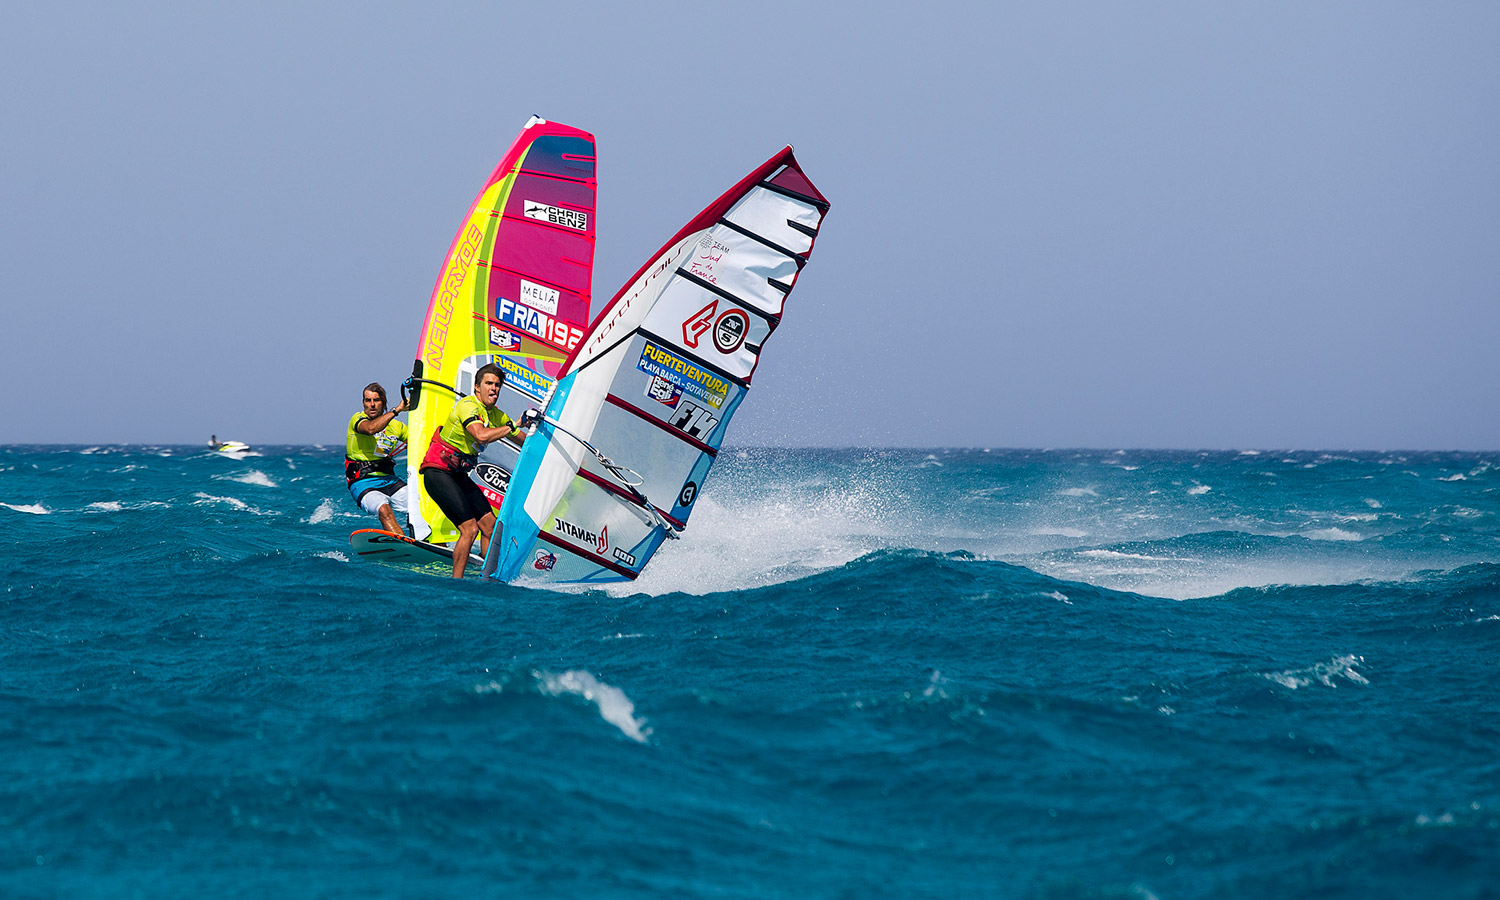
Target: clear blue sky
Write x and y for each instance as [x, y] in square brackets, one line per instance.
[1053, 224]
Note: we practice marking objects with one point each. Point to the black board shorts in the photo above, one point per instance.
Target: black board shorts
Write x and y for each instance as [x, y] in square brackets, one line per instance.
[456, 495]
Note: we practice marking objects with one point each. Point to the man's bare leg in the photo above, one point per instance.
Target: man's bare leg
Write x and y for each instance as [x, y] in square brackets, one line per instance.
[388, 519]
[467, 531]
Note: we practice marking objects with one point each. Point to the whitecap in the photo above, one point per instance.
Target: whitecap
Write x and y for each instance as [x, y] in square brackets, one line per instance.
[323, 513]
[1078, 492]
[1198, 489]
[1323, 673]
[615, 708]
[333, 554]
[1372, 503]
[107, 506]
[254, 476]
[206, 499]
[35, 509]
[1458, 477]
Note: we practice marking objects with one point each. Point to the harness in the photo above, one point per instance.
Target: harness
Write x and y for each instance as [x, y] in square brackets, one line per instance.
[355, 469]
[443, 455]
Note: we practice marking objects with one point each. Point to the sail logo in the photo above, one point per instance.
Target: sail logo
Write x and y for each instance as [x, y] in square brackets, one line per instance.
[583, 535]
[523, 379]
[539, 296]
[729, 329]
[694, 421]
[697, 323]
[554, 331]
[556, 215]
[442, 302]
[707, 257]
[694, 380]
[626, 558]
[663, 391]
[503, 339]
[544, 561]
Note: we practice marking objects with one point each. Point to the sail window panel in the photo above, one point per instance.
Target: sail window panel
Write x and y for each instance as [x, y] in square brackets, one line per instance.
[661, 459]
[564, 155]
[708, 325]
[766, 213]
[600, 526]
[744, 267]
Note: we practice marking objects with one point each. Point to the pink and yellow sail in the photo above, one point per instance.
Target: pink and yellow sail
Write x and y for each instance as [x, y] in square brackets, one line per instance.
[514, 290]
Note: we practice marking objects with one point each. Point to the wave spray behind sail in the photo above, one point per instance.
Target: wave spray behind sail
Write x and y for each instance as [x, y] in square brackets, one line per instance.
[641, 408]
[514, 290]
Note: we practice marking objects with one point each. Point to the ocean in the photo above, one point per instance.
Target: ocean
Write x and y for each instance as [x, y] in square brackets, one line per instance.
[861, 673]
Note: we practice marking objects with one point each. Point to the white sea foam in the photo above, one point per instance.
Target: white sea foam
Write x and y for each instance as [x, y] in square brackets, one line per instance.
[1458, 477]
[35, 509]
[1372, 503]
[228, 501]
[753, 540]
[615, 708]
[1078, 492]
[254, 476]
[107, 506]
[323, 513]
[333, 554]
[1323, 673]
[232, 502]
[1198, 489]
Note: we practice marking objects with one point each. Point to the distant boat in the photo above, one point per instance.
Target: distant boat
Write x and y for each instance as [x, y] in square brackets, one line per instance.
[229, 447]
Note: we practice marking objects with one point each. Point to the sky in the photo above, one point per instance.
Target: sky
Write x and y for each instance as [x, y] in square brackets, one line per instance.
[1144, 225]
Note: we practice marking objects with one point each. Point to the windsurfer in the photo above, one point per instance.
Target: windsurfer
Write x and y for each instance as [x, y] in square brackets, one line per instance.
[455, 447]
[371, 442]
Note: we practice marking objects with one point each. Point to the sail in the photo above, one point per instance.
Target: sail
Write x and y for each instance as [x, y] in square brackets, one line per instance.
[514, 291]
[640, 409]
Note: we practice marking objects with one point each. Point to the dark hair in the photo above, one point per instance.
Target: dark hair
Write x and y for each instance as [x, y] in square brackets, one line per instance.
[489, 369]
[375, 386]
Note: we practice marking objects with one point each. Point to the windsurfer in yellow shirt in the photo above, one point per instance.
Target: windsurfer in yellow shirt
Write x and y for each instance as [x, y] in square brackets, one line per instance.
[372, 440]
[474, 422]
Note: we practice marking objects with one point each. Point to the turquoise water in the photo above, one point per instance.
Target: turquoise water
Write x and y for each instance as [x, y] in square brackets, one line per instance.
[860, 674]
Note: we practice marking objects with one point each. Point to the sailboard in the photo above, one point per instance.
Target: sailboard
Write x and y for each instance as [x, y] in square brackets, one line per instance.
[514, 290]
[640, 407]
[398, 550]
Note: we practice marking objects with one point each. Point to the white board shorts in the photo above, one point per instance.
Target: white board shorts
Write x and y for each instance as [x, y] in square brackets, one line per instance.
[373, 500]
